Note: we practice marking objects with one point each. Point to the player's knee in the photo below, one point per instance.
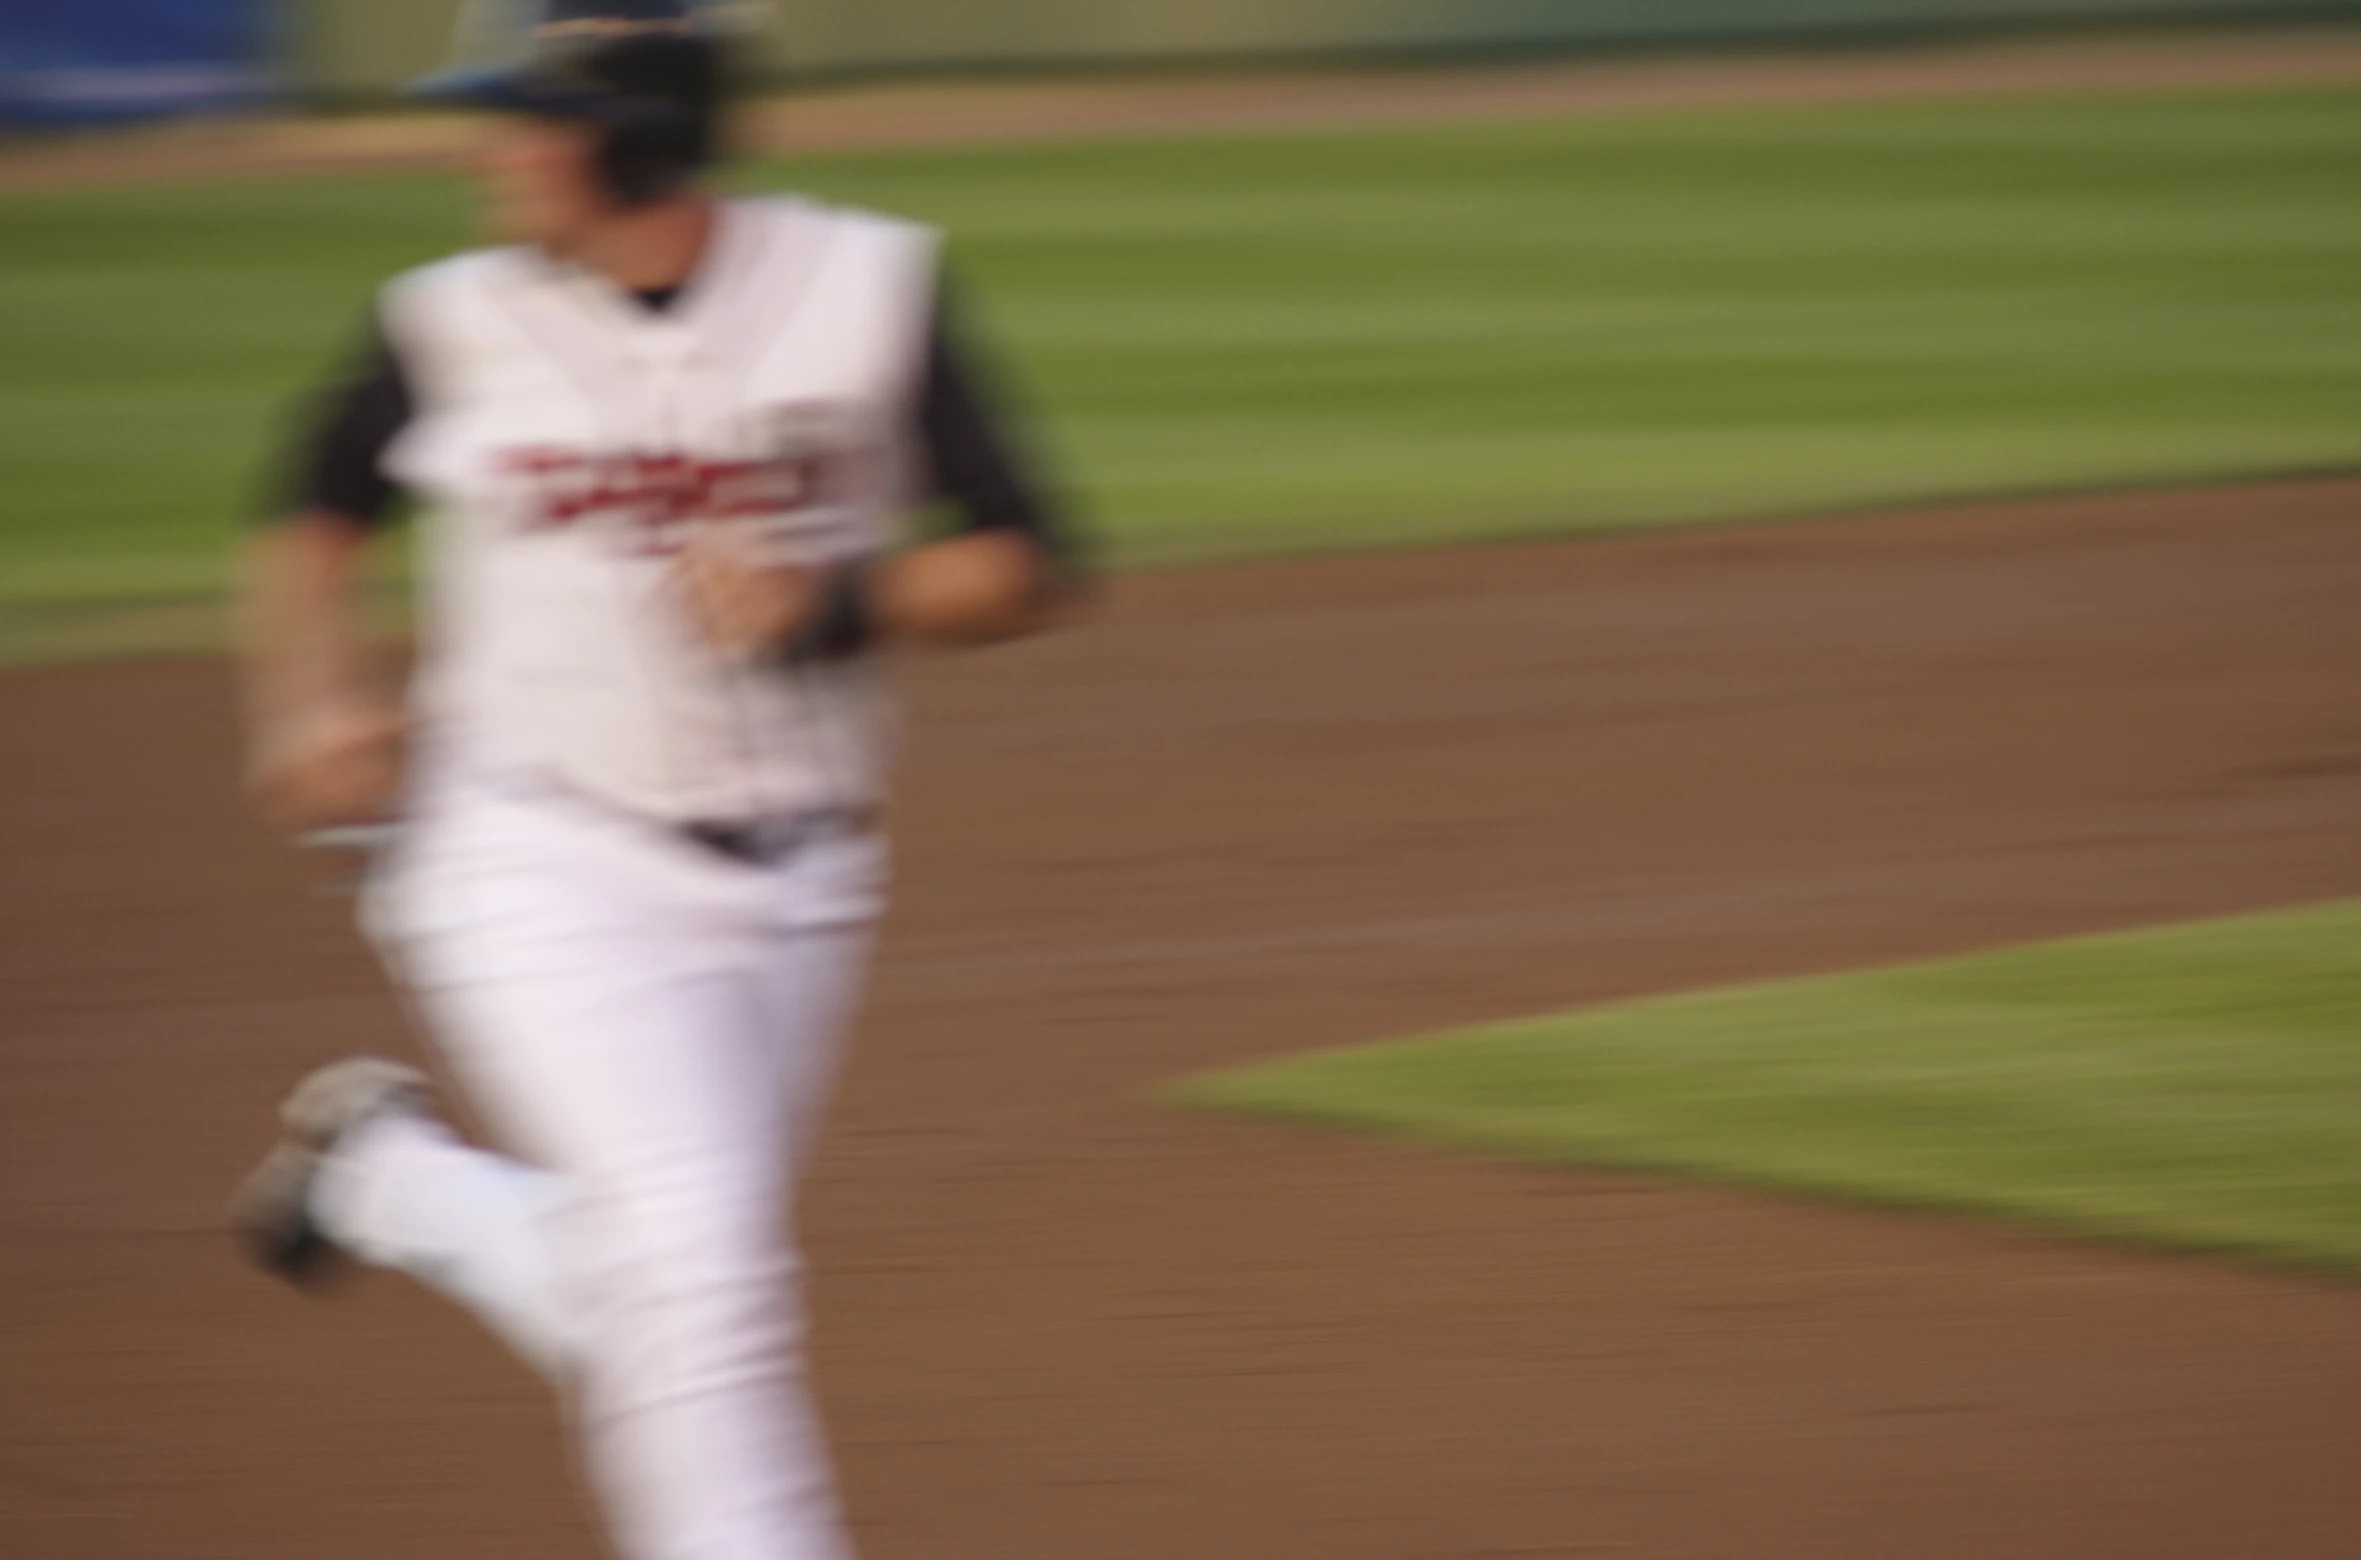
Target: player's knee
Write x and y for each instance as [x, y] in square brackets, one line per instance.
[695, 1267]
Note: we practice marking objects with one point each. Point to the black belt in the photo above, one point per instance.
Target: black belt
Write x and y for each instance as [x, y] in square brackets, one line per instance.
[754, 842]
[764, 841]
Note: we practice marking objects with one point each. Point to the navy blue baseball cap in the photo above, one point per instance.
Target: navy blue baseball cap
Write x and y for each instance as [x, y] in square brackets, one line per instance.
[649, 74]
[611, 62]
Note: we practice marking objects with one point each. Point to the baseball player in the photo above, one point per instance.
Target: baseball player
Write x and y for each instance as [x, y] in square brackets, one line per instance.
[667, 446]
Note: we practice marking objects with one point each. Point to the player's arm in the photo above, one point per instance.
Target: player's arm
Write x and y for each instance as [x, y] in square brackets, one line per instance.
[1012, 562]
[1010, 565]
[323, 732]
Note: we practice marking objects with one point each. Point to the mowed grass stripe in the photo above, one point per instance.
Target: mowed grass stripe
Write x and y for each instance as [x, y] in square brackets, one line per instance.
[2197, 1087]
[1258, 344]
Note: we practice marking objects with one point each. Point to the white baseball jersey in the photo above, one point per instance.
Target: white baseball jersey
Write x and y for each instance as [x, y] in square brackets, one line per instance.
[567, 441]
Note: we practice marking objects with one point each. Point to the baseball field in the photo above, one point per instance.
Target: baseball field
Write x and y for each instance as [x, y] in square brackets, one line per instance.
[1758, 696]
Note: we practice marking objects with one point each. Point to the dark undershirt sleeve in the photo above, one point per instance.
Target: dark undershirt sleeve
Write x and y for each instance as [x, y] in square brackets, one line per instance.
[971, 460]
[336, 463]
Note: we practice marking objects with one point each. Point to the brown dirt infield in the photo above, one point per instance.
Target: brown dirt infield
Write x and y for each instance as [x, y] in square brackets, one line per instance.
[1255, 810]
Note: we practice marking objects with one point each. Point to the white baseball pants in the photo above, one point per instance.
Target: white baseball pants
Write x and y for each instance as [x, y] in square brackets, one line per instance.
[651, 1027]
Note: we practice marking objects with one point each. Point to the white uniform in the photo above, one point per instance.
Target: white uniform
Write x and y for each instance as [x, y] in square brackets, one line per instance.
[648, 1022]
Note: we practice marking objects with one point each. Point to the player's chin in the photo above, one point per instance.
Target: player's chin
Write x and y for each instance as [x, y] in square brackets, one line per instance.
[521, 217]
[505, 219]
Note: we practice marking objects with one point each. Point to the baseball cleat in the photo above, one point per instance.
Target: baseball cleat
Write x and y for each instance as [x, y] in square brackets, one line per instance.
[271, 1213]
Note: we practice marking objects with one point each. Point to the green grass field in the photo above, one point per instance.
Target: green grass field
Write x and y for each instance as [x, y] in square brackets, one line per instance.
[2197, 1087]
[1245, 345]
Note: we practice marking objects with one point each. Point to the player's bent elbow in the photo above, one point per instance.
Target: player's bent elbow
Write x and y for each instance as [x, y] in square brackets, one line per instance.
[972, 590]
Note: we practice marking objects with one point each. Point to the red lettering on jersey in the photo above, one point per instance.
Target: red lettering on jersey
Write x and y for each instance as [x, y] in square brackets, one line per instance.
[659, 496]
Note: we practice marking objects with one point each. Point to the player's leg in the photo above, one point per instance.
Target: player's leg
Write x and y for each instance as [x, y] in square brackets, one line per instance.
[673, 1105]
[400, 1190]
[363, 1171]
[652, 1028]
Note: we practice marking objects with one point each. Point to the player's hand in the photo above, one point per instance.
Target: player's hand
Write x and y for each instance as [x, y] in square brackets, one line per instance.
[333, 765]
[745, 603]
